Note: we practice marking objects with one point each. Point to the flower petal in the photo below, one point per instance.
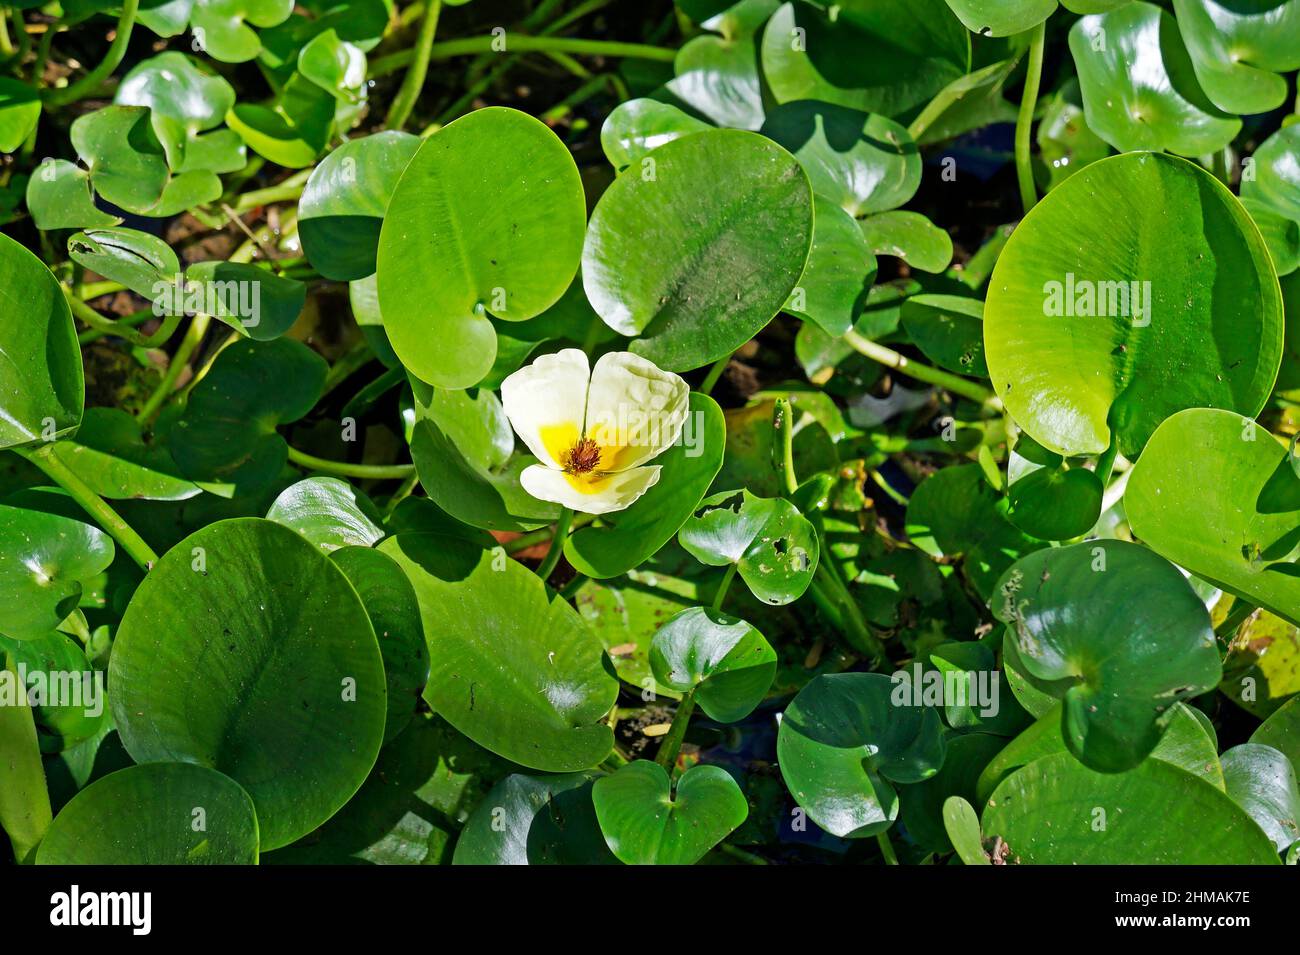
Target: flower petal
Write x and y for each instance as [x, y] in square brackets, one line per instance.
[635, 410]
[589, 493]
[547, 401]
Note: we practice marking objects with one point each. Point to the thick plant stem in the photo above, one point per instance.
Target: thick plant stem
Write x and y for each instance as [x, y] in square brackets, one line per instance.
[1106, 463]
[24, 799]
[1025, 120]
[400, 110]
[122, 329]
[193, 336]
[376, 472]
[552, 558]
[518, 43]
[715, 372]
[89, 83]
[932, 376]
[93, 504]
[783, 444]
[672, 743]
[402, 493]
[723, 587]
[886, 848]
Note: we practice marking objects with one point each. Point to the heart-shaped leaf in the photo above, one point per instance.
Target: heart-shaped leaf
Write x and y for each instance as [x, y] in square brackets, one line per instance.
[343, 204]
[512, 668]
[1056, 811]
[628, 537]
[1238, 49]
[717, 76]
[184, 99]
[844, 743]
[1139, 86]
[150, 815]
[647, 821]
[41, 377]
[726, 662]
[1218, 495]
[224, 25]
[59, 197]
[227, 433]
[1054, 504]
[909, 236]
[329, 512]
[246, 650]
[535, 820]
[1119, 634]
[737, 209]
[1262, 781]
[44, 561]
[486, 219]
[770, 542]
[1166, 306]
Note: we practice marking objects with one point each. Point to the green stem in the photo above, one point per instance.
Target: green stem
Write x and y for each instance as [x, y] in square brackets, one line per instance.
[402, 493]
[570, 590]
[24, 799]
[122, 329]
[128, 321]
[6, 44]
[886, 848]
[856, 630]
[519, 43]
[1237, 614]
[552, 558]
[378, 472]
[783, 444]
[193, 335]
[413, 82]
[715, 372]
[723, 587]
[117, 49]
[92, 504]
[1106, 463]
[933, 376]
[1025, 119]
[672, 743]
[288, 191]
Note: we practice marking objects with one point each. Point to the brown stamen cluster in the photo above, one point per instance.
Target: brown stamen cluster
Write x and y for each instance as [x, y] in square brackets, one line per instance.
[583, 457]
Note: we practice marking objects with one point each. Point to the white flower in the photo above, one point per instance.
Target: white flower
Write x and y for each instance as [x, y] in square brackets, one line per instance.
[594, 430]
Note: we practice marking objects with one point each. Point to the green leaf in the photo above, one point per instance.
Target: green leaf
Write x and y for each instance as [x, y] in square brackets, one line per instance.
[772, 544]
[963, 828]
[44, 561]
[1056, 811]
[228, 431]
[1166, 305]
[184, 99]
[245, 649]
[41, 377]
[65, 693]
[1002, 17]
[843, 744]
[252, 300]
[138, 260]
[148, 815]
[836, 279]
[224, 25]
[512, 668]
[111, 455]
[394, 614]
[1218, 495]
[862, 162]
[909, 236]
[343, 204]
[1273, 174]
[1119, 634]
[648, 821]
[949, 330]
[717, 76]
[1261, 780]
[923, 804]
[726, 662]
[917, 46]
[1053, 504]
[1262, 668]
[1140, 89]
[59, 197]
[20, 110]
[336, 66]
[1237, 50]
[1065, 142]
[486, 219]
[294, 129]
[1282, 731]
[328, 512]
[535, 820]
[737, 211]
[630, 536]
[639, 126]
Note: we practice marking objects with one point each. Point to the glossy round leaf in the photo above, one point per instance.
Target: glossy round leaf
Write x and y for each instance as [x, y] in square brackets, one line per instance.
[1156, 814]
[949, 330]
[1237, 50]
[486, 219]
[909, 236]
[717, 76]
[227, 35]
[535, 820]
[1262, 781]
[648, 821]
[343, 204]
[1139, 87]
[772, 544]
[513, 668]
[1282, 731]
[252, 300]
[1164, 305]
[41, 380]
[1273, 178]
[1218, 495]
[1054, 504]
[45, 560]
[836, 280]
[736, 209]
[59, 197]
[146, 815]
[246, 650]
[328, 512]
[726, 662]
[1119, 633]
[637, 127]
[67, 697]
[183, 97]
[1002, 17]
[843, 744]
